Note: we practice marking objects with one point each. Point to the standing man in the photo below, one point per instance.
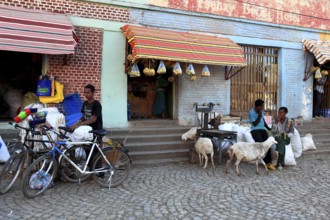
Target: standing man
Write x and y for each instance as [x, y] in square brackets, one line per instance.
[91, 110]
[258, 130]
[286, 130]
[318, 95]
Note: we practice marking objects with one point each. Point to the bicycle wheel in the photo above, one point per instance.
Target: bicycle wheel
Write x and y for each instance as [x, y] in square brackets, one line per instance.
[11, 170]
[39, 176]
[78, 155]
[119, 160]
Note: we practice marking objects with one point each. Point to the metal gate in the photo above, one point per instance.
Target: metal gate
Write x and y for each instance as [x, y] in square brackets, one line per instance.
[258, 80]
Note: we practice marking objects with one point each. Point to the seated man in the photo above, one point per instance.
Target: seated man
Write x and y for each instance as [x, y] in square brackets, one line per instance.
[286, 130]
[258, 130]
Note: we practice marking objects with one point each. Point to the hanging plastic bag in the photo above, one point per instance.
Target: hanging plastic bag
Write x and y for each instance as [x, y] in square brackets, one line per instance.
[177, 69]
[134, 72]
[190, 70]
[161, 68]
[44, 87]
[206, 71]
[318, 74]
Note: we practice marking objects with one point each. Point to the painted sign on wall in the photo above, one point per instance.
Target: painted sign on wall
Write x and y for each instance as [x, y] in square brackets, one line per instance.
[304, 13]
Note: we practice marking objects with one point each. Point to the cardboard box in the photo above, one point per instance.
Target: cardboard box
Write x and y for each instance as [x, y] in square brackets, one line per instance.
[193, 156]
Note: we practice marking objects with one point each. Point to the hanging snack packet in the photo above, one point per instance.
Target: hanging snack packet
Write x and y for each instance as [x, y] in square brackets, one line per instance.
[177, 69]
[135, 72]
[318, 74]
[205, 71]
[161, 68]
[190, 70]
[324, 72]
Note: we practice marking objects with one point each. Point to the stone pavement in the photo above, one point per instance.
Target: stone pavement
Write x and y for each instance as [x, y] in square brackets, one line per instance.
[186, 191]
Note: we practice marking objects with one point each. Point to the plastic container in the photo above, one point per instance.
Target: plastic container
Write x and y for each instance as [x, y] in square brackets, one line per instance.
[71, 119]
[72, 104]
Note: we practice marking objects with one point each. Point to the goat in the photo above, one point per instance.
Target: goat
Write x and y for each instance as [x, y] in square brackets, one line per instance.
[203, 147]
[248, 152]
[191, 134]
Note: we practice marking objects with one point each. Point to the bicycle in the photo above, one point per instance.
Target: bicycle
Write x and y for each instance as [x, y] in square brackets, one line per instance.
[16, 161]
[44, 169]
[114, 151]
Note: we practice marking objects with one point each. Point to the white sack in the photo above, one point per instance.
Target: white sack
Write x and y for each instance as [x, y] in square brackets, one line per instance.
[226, 127]
[296, 144]
[308, 143]
[81, 134]
[4, 154]
[289, 157]
[248, 137]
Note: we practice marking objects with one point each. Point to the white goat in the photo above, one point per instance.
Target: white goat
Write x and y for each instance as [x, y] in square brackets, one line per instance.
[191, 134]
[204, 146]
[248, 152]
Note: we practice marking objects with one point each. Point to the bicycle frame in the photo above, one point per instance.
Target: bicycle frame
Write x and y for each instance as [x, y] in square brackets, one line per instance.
[84, 170]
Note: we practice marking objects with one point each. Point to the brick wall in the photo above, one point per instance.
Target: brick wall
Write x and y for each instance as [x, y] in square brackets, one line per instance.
[84, 66]
[205, 89]
[76, 8]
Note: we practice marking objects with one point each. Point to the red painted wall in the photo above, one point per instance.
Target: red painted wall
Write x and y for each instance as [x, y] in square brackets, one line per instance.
[304, 13]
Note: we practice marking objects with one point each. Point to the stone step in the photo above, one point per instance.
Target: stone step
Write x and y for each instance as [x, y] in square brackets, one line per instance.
[158, 146]
[160, 161]
[158, 154]
[147, 131]
[148, 138]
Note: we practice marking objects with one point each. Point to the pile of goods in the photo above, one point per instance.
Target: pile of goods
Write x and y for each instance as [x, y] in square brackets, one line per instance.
[132, 98]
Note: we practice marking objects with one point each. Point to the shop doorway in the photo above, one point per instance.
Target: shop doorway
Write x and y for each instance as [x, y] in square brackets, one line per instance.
[151, 97]
[258, 80]
[19, 75]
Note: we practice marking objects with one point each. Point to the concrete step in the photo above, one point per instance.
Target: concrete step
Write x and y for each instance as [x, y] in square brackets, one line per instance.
[158, 146]
[158, 154]
[146, 131]
[161, 161]
[148, 138]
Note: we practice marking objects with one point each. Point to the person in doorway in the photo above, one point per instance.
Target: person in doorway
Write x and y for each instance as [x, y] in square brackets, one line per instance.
[159, 106]
[286, 130]
[258, 130]
[91, 110]
[318, 95]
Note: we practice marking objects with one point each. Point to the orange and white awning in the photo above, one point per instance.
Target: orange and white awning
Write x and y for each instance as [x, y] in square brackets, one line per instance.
[152, 43]
[33, 31]
[320, 49]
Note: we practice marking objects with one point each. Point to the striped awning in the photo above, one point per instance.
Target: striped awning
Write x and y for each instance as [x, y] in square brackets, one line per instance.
[151, 43]
[25, 30]
[320, 49]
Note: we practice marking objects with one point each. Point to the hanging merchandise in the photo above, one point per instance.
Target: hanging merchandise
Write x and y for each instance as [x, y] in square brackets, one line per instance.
[190, 70]
[44, 87]
[193, 78]
[134, 72]
[205, 71]
[177, 69]
[318, 73]
[148, 71]
[324, 72]
[161, 68]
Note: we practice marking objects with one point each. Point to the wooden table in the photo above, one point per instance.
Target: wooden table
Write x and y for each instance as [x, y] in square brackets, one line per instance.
[221, 135]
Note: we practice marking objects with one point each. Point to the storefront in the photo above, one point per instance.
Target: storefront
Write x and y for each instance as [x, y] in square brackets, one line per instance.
[318, 67]
[26, 38]
[156, 59]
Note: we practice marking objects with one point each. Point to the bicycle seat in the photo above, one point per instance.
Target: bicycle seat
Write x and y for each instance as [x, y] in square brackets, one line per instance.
[66, 129]
[100, 132]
